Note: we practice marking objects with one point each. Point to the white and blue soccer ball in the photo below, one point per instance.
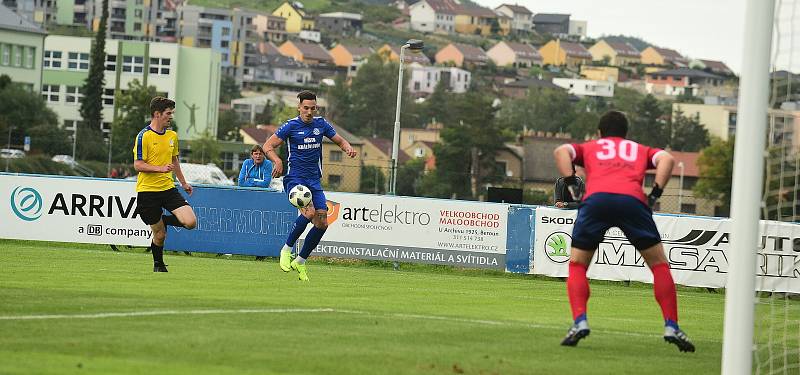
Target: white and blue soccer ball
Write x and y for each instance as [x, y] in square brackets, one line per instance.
[300, 196]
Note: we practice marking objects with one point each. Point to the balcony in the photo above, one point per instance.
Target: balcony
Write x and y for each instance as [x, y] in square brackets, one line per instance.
[117, 13]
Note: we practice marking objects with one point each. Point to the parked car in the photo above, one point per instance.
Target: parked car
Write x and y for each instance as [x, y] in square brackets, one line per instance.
[64, 159]
[9, 153]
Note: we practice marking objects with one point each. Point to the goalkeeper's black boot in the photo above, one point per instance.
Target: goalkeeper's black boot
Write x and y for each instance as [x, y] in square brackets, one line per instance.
[159, 267]
[675, 336]
[577, 332]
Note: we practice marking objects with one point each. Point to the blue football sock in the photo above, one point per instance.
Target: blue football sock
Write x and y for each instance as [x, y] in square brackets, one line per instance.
[299, 227]
[671, 323]
[580, 318]
[311, 242]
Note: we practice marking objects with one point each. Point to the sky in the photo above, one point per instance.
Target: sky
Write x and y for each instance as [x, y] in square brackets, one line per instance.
[707, 29]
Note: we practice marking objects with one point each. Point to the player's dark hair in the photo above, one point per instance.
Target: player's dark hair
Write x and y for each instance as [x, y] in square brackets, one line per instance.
[160, 104]
[613, 124]
[306, 95]
[257, 148]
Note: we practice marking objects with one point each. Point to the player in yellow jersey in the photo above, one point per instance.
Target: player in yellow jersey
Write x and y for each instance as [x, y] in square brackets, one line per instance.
[155, 157]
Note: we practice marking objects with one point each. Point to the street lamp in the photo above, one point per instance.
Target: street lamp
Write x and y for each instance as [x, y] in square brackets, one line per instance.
[680, 188]
[414, 45]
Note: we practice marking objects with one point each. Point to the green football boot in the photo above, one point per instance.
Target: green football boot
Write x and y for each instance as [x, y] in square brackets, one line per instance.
[286, 260]
[301, 270]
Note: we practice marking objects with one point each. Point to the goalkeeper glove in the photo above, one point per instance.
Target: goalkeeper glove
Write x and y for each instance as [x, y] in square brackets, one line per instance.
[654, 195]
[574, 188]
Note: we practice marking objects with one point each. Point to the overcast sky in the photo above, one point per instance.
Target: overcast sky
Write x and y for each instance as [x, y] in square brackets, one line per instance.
[707, 29]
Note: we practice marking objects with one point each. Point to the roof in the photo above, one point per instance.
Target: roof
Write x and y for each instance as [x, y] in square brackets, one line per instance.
[524, 50]
[533, 82]
[281, 61]
[476, 11]
[471, 53]
[550, 18]
[350, 137]
[385, 145]
[268, 48]
[516, 8]
[312, 51]
[716, 66]
[670, 54]
[624, 49]
[358, 52]
[441, 6]
[10, 20]
[260, 133]
[686, 72]
[575, 49]
[689, 160]
[342, 15]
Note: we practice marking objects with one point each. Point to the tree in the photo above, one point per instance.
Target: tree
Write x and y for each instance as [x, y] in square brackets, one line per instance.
[465, 160]
[688, 97]
[373, 180]
[647, 125]
[542, 109]
[28, 115]
[134, 106]
[625, 99]
[90, 135]
[228, 125]
[228, 89]
[715, 166]
[283, 113]
[373, 99]
[686, 133]
[265, 116]
[204, 150]
[338, 97]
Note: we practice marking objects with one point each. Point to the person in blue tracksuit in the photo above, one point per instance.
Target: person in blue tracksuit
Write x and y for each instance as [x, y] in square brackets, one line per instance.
[256, 171]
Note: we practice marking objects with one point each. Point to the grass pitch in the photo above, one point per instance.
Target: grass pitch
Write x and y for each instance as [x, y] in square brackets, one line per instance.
[83, 309]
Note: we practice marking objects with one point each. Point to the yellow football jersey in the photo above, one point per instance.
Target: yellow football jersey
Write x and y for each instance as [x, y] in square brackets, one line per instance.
[155, 149]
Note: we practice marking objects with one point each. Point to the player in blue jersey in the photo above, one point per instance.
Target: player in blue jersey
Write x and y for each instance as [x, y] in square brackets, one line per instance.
[303, 135]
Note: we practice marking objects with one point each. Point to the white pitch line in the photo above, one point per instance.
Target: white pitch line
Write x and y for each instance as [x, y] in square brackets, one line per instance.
[161, 312]
[317, 310]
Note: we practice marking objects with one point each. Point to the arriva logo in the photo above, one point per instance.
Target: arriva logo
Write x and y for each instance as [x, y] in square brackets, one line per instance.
[558, 244]
[26, 203]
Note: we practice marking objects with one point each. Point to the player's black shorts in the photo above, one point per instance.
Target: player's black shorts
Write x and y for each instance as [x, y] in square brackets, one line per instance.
[601, 211]
[150, 203]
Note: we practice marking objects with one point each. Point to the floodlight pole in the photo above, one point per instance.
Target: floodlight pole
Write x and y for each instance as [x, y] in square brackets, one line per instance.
[748, 174]
[414, 45]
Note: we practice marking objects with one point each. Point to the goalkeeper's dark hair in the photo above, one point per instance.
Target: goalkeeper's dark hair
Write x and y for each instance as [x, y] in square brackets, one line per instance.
[613, 124]
[306, 95]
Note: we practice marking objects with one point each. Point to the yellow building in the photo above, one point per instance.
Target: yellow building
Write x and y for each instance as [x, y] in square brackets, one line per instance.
[561, 53]
[296, 18]
[474, 20]
[617, 53]
[600, 73]
[663, 56]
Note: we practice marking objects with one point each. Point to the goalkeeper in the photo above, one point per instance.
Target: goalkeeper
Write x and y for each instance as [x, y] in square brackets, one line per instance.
[615, 168]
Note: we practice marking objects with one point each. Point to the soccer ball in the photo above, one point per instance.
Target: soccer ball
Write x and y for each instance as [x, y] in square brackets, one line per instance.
[300, 196]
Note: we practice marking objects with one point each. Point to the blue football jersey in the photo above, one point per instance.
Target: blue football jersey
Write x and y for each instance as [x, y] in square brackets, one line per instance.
[305, 146]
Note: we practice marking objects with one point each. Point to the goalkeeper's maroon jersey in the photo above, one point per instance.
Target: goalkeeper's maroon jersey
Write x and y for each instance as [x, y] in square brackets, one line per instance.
[614, 165]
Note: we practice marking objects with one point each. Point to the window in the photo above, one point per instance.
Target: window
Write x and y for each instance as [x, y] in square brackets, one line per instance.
[159, 65]
[137, 13]
[419, 152]
[78, 61]
[18, 56]
[132, 64]
[689, 182]
[688, 208]
[502, 168]
[336, 156]
[137, 26]
[50, 92]
[6, 59]
[52, 59]
[111, 63]
[30, 55]
[334, 180]
[224, 44]
[226, 31]
[73, 94]
[70, 125]
[108, 96]
[224, 57]
[416, 86]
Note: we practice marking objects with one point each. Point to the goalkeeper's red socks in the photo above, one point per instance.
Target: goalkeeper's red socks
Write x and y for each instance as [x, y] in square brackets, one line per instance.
[664, 289]
[578, 289]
